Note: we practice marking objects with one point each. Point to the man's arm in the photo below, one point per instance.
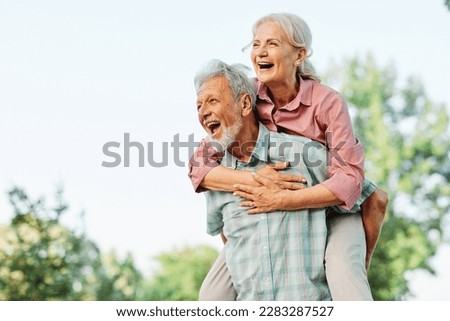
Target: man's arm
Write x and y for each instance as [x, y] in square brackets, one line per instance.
[223, 237]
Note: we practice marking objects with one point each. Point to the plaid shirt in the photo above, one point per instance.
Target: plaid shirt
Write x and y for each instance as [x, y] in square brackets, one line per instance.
[279, 255]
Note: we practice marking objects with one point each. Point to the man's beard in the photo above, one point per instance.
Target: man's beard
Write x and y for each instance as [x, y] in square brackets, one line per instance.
[229, 135]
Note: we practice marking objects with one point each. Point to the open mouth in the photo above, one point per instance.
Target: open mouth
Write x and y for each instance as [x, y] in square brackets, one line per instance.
[213, 126]
[265, 65]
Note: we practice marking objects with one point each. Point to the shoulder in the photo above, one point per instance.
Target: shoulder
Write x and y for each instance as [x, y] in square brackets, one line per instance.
[328, 101]
[324, 92]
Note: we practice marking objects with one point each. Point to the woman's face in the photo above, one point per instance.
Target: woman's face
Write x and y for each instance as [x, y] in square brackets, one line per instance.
[273, 58]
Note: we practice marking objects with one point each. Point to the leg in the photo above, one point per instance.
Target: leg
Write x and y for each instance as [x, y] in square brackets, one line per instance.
[344, 258]
[217, 285]
[373, 212]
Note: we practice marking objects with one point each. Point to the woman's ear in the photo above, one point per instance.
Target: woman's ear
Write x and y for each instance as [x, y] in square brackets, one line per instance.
[245, 102]
[301, 55]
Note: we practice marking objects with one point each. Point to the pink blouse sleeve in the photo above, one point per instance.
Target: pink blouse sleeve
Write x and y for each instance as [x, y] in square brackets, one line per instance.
[345, 152]
[204, 159]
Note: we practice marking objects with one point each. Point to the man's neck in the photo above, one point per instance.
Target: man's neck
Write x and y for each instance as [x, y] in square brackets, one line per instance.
[243, 148]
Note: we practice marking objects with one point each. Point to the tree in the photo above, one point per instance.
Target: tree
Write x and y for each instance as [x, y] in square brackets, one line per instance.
[447, 3]
[117, 280]
[41, 259]
[180, 274]
[407, 144]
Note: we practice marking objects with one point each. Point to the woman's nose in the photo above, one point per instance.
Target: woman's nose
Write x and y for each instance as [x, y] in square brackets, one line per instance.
[261, 51]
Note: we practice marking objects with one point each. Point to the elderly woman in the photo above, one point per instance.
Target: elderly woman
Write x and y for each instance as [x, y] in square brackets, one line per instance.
[292, 100]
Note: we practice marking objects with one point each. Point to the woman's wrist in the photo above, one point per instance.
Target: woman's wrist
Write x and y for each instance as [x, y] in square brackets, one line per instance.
[290, 199]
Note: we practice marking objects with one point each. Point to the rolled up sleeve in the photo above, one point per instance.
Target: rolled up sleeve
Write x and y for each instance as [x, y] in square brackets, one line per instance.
[204, 159]
[345, 152]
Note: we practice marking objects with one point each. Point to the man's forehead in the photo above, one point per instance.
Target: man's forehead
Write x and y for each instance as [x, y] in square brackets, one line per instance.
[213, 85]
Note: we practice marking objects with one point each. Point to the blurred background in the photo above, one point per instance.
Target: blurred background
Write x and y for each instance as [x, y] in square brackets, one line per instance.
[77, 75]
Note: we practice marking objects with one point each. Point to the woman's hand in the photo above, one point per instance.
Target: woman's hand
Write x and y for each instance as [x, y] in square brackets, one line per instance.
[265, 198]
[284, 181]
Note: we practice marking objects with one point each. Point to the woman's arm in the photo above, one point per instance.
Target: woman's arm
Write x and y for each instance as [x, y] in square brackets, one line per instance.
[269, 197]
[222, 178]
[206, 173]
[345, 153]
[204, 159]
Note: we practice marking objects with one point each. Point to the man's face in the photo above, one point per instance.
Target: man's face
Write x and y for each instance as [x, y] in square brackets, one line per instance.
[218, 114]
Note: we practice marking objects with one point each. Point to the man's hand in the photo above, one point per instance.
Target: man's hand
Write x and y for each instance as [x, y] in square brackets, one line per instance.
[283, 181]
[262, 199]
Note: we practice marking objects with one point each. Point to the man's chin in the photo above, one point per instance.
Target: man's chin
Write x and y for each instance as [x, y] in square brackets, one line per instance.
[218, 144]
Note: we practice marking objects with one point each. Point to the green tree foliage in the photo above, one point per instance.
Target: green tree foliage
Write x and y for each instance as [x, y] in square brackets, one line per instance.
[407, 144]
[447, 3]
[41, 259]
[180, 275]
[117, 280]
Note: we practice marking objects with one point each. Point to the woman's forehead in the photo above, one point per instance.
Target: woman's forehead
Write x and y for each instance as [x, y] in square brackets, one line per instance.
[269, 30]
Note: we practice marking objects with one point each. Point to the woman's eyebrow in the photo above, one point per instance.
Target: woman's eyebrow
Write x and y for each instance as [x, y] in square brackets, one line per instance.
[273, 39]
[267, 40]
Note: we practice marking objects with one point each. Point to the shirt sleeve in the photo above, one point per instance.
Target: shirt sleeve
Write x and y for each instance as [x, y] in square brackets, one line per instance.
[345, 152]
[204, 159]
[368, 188]
[214, 217]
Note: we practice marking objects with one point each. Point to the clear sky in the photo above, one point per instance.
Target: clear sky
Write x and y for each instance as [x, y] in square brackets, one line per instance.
[76, 75]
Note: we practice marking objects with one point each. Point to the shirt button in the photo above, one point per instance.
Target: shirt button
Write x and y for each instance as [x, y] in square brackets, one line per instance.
[264, 248]
[263, 217]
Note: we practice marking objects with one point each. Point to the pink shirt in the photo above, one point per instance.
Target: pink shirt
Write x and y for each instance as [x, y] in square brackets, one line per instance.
[319, 113]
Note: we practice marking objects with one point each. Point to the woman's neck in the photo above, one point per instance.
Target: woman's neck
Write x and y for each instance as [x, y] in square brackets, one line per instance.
[284, 93]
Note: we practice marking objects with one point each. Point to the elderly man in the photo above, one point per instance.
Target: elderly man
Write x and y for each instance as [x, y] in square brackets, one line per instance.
[276, 256]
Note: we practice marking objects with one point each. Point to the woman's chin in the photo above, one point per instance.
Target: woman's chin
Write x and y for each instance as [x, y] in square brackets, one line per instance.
[264, 78]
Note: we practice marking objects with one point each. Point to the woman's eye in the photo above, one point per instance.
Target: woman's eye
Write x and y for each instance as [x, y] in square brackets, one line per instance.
[255, 45]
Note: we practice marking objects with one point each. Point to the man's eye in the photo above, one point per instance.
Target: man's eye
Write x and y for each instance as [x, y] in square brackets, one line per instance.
[213, 101]
[255, 45]
[199, 106]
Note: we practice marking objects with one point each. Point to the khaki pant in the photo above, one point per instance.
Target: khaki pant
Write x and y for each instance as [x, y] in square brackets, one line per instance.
[344, 264]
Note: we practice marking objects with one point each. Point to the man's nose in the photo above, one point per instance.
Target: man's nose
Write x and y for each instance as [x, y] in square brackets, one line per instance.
[204, 111]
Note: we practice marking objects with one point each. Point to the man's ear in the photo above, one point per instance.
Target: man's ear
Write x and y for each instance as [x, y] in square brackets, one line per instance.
[245, 102]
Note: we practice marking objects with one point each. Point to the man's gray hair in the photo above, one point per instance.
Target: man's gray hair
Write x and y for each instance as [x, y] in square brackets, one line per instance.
[235, 74]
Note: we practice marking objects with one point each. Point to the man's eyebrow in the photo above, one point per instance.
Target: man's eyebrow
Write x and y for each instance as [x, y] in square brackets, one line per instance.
[203, 98]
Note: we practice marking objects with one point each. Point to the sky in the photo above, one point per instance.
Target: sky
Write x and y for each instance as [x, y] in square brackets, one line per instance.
[77, 75]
